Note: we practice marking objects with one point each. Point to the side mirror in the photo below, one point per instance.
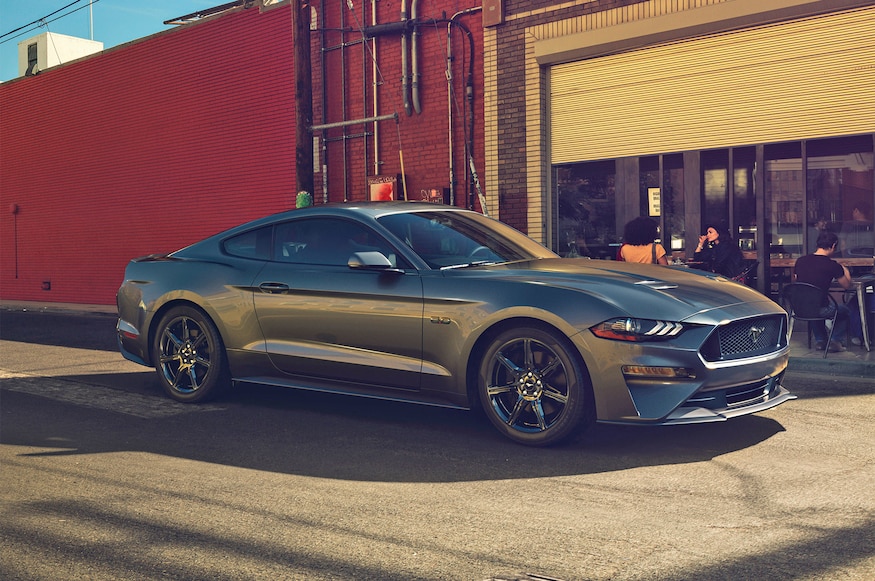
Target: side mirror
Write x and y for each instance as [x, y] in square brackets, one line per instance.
[371, 260]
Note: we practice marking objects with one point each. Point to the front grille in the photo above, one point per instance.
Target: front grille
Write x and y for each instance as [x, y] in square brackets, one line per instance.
[746, 338]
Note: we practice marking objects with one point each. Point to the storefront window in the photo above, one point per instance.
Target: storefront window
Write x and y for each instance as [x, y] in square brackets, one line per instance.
[715, 187]
[664, 202]
[785, 191]
[586, 210]
[840, 193]
[674, 229]
[648, 187]
[744, 197]
[808, 186]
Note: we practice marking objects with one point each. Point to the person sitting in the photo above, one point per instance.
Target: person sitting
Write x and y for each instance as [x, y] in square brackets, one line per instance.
[820, 270]
[857, 236]
[718, 252]
[639, 242]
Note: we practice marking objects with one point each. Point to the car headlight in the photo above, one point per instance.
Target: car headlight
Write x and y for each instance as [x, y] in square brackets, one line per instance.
[629, 329]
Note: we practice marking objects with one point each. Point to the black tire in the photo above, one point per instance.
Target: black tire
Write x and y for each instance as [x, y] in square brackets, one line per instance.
[533, 387]
[189, 356]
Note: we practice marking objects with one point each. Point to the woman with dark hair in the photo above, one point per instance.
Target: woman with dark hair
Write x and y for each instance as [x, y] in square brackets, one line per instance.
[639, 242]
[718, 252]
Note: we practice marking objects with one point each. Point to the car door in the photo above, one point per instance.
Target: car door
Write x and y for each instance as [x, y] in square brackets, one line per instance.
[325, 321]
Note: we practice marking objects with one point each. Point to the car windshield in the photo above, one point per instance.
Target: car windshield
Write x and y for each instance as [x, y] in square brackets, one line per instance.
[458, 239]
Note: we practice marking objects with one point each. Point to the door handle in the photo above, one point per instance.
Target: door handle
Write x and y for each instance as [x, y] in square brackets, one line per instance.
[273, 288]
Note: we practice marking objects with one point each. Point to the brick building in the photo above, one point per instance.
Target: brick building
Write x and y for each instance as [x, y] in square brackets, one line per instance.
[155, 144]
[577, 115]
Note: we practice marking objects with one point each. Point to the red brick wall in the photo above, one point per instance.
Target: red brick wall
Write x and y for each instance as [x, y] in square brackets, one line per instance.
[422, 139]
[158, 143]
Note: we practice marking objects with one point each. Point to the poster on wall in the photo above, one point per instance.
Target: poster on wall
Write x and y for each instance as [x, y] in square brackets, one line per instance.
[433, 195]
[653, 201]
[382, 188]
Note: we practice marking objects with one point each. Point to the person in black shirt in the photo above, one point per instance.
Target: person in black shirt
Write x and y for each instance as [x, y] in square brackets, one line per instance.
[820, 270]
[718, 252]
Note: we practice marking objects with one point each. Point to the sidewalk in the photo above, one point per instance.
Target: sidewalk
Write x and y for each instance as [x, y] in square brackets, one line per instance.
[856, 361]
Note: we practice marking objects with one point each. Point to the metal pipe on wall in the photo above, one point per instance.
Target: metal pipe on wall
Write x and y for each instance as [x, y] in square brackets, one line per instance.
[376, 100]
[404, 77]
[469, 98]
[449, 76]
[414, 56]
[324, 105]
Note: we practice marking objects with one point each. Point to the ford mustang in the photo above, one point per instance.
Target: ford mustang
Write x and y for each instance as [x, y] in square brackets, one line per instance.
[438, 305]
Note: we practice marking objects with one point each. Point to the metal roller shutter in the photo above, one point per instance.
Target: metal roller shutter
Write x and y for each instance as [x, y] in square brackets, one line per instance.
[795, 80]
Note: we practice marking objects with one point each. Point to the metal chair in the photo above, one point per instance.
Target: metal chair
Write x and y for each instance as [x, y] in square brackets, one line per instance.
[744, 277]
[806, 302]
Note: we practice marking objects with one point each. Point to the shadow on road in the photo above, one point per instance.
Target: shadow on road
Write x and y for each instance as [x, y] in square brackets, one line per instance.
[83, 331]
[329, 436]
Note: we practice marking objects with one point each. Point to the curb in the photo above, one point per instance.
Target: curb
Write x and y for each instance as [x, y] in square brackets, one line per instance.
[71, 308]
[834, 367]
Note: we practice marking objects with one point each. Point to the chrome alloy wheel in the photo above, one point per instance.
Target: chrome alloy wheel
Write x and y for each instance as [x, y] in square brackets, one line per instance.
[184, 354]
[534, 387]
[189, 355]
[528, 385]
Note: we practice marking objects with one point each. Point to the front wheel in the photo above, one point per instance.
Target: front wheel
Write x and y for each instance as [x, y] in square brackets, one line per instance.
[189, 356]
[533, 387]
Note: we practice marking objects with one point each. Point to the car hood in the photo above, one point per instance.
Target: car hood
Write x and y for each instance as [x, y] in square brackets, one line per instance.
[642, 290]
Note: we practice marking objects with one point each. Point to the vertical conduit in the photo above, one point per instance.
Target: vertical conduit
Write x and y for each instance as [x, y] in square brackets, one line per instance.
[376, 85]
[414, 56]
[343, 104]
[324, 105]
[366, 56]
[449, 75]
[405, 81]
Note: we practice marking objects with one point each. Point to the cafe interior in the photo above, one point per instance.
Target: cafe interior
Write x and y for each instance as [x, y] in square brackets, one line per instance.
[775, 198]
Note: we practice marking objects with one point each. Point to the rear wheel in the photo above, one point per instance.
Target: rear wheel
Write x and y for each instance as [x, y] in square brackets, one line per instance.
[533, 387]
[189, 356]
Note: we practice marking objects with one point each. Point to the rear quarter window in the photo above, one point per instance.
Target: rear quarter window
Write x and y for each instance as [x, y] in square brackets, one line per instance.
[253, 244]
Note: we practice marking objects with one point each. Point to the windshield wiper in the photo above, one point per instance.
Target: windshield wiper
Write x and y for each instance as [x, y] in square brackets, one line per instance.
[470, 264]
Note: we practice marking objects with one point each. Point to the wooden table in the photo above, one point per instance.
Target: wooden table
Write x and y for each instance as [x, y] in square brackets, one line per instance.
[849, 262]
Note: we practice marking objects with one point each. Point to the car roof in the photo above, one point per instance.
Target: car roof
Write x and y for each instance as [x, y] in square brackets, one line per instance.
[364, 209]
[374, 209]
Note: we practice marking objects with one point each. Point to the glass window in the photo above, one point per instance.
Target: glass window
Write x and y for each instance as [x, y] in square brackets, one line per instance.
[840, 193]
[327, 241]
[715, 187]
[453, 239]
[32, 58]
[673, 201]
[744, 197]
[252, 244]
[586, 210]
[648, 176]
[785, 190]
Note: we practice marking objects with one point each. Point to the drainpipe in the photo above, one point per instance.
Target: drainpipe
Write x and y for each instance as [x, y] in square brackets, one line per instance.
[414, 49]
[450, 112]
[468, 91]
[374, 72]
[469, 100]
[405, 81]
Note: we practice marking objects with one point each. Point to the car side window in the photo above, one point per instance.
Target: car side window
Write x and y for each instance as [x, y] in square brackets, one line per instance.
[326, 241]
[253, 244]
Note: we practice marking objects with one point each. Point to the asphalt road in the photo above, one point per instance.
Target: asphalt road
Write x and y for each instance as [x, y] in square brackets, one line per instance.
[101, 477]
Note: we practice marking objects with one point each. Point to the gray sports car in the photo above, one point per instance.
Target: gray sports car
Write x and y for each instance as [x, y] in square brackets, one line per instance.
[439, 305]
